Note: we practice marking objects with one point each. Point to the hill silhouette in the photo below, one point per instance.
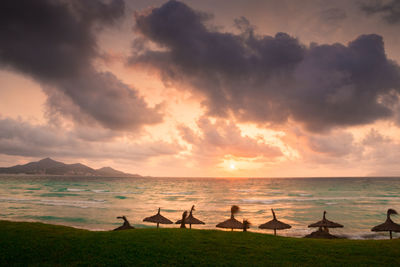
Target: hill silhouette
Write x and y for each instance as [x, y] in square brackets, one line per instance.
[51, 167]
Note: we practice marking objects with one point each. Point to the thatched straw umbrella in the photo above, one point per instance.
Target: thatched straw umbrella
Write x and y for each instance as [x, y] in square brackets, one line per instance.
[323, 228]
[125, 226]
[232, 223]
[183, 220]
[158, 218]
[388, 225]
[274, 224]
[246, 225]
[190, 219]
[325, 223]
[321, 234]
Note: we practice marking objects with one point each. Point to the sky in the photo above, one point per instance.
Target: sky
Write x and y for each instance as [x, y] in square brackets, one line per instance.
[203, 88]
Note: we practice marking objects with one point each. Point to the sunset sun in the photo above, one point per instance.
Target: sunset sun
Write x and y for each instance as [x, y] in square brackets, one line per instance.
[232, 166]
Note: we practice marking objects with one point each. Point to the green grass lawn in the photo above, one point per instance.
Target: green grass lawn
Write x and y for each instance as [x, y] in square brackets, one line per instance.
[43, 244]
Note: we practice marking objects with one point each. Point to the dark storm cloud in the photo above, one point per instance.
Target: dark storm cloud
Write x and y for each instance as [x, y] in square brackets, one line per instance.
[388, 10]
[333, 15]
[269, 79]
[54, 42]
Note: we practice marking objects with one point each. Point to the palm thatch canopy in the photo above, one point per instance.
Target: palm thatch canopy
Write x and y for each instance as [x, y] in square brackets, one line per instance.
[190, 219]
[231, 223]
[274, 224]
[321, 234]
[125, 226]
[388, 225]
[326, 223]
[158, 218]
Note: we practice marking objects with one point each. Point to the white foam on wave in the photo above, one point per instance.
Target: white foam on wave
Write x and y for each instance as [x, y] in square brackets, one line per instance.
[75, 190]
[362, 235]
[331, 203]
[305, 195]
[258, 201]
[99, 191]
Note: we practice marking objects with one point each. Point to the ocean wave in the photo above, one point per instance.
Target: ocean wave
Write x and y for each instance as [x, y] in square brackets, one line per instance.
[100, 191]
[171, 210]
[331, 203]
[358, 236]
[301, 232]
[274, 200]
[300, 195]
[244, 190]
[55, 202]
[75, 189]
[177, 193]
[326, 200]
[97, 200]
[173, 198]
[19, 208]
[55, 218]
[62, 189]
[58, 195]
[103, 191]
[258, 201]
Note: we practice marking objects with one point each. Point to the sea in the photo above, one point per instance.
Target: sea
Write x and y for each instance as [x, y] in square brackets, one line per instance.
[93, 203]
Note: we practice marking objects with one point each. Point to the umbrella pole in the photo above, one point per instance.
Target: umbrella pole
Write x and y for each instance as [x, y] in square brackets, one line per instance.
[274, 231]
[390, 234]
[190, 226]
[157, 225]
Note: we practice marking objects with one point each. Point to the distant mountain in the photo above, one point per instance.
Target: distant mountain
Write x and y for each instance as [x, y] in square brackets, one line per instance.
[52, 167]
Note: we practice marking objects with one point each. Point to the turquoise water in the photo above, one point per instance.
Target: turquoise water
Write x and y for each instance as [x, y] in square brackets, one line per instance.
[94, 203]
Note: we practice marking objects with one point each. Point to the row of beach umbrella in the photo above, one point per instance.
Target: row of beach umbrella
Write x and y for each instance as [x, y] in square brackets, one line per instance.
[274, 224]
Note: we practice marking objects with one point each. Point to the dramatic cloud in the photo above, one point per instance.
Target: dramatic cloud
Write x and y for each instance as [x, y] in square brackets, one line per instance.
[20, 138]
[55, 43]
[381, 154]
[373, 152]
[214, 141]
[389, 10]
[337, 145]
[332, 15]
[265, 79]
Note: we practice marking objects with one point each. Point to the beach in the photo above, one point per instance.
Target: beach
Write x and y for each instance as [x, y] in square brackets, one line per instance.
[93, 203]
